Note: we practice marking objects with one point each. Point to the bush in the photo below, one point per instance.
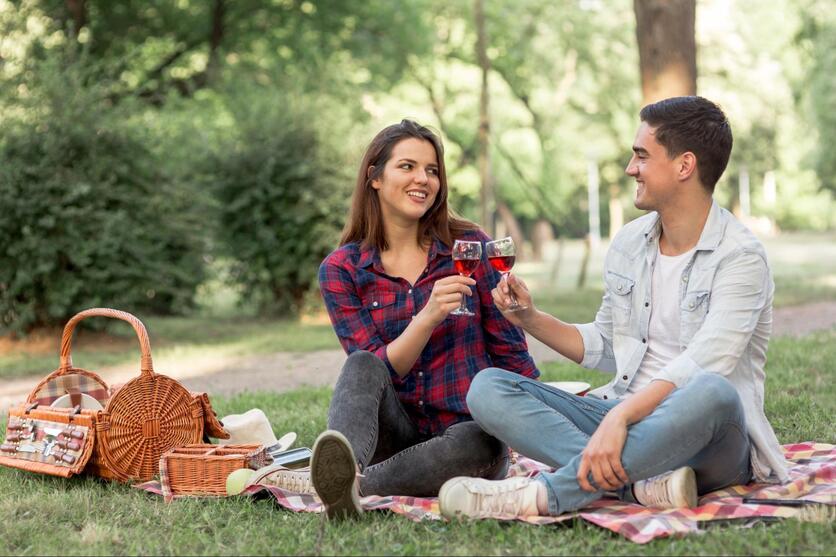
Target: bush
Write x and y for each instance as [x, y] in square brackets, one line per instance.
[88, 216]
[282, 192]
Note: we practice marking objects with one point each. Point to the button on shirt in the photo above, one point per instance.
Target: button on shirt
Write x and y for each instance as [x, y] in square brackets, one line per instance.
[369, 309]
[725, 318]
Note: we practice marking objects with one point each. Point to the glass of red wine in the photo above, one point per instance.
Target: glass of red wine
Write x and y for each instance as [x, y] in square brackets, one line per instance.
[501, 255]
[466, 258]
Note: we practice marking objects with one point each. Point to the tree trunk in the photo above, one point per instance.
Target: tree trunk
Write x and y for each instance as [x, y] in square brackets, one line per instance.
[667, 48]
[78, 13]
[512, 225]
[216, 36]
[484, 119]
[540, 238]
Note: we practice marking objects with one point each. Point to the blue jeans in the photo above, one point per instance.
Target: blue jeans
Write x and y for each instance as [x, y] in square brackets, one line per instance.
[700, 425]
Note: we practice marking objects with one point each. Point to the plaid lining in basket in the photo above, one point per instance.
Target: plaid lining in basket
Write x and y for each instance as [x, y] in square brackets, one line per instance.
[813, 480]
[63, 384]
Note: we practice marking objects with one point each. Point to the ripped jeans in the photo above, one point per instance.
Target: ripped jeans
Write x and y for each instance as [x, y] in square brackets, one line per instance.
[394, 458]
[700, 425]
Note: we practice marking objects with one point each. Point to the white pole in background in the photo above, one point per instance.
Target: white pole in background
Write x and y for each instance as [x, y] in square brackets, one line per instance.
[745, 208]
[769, 189]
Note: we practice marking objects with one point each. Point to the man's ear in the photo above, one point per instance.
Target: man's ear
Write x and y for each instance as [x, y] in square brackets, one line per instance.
[687, 165]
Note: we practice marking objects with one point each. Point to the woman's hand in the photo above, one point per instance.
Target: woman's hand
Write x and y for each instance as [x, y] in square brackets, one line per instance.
[446, 296]
[502, 298]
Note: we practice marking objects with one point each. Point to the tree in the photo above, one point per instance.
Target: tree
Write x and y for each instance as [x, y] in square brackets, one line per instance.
[665, 31]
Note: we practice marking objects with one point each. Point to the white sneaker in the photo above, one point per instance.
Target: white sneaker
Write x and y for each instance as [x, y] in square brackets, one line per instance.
[671, 490]
[297, 481]
[478, 498]
[334, 475]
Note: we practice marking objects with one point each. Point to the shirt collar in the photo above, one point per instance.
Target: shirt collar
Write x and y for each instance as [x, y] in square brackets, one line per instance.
[368, 256]
[710, 237]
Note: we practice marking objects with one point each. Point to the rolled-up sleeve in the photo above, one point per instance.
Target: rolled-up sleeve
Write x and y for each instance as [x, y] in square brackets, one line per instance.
[598, 338]
[739, 295]
[352, 322]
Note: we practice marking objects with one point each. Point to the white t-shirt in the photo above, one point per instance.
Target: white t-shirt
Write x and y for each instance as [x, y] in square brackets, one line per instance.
[663, 330]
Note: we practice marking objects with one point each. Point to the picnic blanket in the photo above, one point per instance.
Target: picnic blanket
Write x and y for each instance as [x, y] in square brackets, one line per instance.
[812, 481]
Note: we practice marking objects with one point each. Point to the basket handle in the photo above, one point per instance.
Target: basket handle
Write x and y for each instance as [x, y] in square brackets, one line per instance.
[146, 366]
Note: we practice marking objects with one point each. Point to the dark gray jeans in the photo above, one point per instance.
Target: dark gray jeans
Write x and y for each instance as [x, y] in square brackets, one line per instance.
[393, 456]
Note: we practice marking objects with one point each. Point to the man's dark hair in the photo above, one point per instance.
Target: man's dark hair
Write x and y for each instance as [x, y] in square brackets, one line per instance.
[693, 124]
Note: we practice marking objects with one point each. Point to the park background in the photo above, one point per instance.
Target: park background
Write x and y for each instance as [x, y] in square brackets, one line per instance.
[191, 162]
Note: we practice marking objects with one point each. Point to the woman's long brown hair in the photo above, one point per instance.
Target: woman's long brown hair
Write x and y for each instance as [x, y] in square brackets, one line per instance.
[365, 222]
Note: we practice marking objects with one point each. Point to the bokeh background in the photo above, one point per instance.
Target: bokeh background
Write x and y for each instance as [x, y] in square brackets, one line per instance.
[196, 157]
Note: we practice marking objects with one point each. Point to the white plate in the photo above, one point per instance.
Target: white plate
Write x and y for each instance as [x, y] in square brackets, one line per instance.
[574, 387]
[87, 402]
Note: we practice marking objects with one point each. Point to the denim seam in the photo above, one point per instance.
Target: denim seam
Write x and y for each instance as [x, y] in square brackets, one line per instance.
[557, 413]
[569, 398]
[367, 450]
[496, 461]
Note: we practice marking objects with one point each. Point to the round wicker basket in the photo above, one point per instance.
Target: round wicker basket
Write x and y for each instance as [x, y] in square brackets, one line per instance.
[147, 416]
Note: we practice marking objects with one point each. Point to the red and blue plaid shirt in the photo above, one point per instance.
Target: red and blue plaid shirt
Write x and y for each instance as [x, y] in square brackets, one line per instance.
[369, 309]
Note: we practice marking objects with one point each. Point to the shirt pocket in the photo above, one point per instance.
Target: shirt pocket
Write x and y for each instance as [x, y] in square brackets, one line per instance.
[383, 309]
[693, 309]
[620, 289]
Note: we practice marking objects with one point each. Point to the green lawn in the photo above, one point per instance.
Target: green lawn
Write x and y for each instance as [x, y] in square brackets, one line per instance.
[45, 515]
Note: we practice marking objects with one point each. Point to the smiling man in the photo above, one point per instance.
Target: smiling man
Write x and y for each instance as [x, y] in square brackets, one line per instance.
[684, 325]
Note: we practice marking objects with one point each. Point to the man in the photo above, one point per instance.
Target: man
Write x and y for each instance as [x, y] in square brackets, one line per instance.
[684, 324]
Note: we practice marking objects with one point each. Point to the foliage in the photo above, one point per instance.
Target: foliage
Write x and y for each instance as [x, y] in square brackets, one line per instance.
[281, 187]
[817, 37]
[90, 217]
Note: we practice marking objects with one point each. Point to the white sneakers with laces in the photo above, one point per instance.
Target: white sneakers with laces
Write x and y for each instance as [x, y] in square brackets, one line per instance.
[297, 481]
[477, 498]
[671, 490]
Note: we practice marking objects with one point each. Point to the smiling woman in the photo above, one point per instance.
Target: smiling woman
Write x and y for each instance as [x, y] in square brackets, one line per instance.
[399, 414]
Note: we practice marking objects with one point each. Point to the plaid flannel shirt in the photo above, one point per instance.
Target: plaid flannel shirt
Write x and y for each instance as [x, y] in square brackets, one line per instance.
[369, 309]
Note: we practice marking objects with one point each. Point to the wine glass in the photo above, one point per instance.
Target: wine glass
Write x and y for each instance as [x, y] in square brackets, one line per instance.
[501, 255]
[466, 258]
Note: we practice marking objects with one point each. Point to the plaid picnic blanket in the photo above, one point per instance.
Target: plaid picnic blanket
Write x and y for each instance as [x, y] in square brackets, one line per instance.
[813, 480]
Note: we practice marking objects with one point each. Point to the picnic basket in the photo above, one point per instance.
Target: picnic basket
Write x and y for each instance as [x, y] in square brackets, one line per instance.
[141, 419]
[202, 469]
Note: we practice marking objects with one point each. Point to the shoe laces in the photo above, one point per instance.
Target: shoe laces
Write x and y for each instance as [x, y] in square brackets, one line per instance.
[655, 491]
[501, 498]
[297, 482]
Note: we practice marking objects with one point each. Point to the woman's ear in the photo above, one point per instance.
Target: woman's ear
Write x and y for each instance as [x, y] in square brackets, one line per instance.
[374, 183]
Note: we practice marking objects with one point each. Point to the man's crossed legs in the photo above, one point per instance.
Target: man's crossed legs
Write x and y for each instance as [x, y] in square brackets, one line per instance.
[700, 425]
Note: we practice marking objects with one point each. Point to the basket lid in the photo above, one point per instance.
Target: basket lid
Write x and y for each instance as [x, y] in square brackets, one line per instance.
[149, 415]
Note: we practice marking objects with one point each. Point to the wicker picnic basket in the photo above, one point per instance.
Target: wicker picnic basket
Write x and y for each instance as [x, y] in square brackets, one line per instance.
[140, 421]
[202, 469]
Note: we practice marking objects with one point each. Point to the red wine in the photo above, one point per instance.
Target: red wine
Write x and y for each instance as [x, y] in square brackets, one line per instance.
[502, 263]
[465, 267]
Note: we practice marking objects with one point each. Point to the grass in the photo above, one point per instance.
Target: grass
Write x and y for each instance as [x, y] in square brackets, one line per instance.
[83, 516]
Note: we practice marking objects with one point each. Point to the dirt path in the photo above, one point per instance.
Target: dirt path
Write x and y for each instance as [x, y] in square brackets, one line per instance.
[284, 371]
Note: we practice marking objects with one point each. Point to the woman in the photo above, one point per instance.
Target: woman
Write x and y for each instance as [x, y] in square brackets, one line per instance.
[398, 415]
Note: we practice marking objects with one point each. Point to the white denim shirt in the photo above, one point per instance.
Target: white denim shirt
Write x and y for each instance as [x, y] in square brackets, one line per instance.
[725, 300]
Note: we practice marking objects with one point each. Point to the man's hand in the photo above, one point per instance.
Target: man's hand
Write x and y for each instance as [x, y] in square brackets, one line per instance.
[446, 296]
[502, 298]
[602, 455]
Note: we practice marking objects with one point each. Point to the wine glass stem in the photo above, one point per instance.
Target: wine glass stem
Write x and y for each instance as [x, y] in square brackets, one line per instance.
[462, 306]
[514, 301]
